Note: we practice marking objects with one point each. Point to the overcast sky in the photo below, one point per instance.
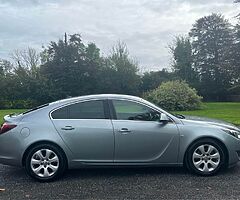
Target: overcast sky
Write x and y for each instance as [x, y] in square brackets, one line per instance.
[146, 26]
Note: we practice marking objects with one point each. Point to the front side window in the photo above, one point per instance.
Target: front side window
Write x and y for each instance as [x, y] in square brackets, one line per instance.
[127, 110]
[83, 110]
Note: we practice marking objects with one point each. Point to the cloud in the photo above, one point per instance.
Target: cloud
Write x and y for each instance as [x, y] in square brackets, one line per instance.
[146, 26]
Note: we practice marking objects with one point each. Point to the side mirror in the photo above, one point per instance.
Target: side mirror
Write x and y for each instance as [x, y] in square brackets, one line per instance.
[163, 118]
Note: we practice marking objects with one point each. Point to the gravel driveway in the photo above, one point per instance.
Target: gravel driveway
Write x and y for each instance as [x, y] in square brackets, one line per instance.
[122, 183]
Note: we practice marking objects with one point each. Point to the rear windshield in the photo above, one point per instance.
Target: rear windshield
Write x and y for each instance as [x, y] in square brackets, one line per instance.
[36, 108]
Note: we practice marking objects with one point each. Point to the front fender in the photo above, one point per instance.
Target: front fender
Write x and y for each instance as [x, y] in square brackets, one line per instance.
[189, 134]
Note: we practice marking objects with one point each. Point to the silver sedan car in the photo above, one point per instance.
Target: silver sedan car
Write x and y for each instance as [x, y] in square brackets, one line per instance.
[113, 130]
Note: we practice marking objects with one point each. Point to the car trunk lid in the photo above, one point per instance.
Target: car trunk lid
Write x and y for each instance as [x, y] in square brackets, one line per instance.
[13, 118]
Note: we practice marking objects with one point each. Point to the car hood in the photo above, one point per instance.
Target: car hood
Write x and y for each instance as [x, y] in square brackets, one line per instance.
[208, 122]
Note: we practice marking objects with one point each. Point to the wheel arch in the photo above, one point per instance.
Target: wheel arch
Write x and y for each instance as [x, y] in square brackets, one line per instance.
[39, 143]
[212, 138]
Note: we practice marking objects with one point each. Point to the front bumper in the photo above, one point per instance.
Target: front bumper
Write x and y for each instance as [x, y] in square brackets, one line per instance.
[233, 152]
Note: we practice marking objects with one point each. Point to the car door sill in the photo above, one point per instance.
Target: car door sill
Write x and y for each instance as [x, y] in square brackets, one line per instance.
[128, 164]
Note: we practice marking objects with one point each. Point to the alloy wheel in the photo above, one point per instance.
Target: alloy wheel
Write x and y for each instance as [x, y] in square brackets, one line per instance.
[44, 163]
[206, 158]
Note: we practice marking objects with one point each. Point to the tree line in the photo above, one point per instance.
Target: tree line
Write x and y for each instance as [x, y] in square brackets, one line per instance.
[208, 59]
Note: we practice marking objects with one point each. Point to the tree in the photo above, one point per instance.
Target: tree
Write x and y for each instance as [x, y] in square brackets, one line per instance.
[65, 68]
[212, 41]
[151, 80]
[71, 67]
[5, 75]
[120, 72]
[27, 82]
[183, 60]
[28, 59]
[236, 55]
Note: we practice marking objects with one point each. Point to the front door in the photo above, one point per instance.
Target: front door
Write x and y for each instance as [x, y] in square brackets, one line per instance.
[140, 137]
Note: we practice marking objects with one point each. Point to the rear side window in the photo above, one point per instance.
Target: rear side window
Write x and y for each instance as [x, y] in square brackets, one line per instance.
[82, 110]
[87, 110]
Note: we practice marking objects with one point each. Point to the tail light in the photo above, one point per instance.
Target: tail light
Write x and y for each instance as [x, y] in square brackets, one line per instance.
[7, 127]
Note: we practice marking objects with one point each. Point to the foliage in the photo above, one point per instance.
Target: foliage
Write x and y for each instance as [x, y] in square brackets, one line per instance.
[212, 41]
[17, 104]
[73, 68]
[174, 95]
[119, 74]
[70, 67]
[183, 60]
[208, 60]
[236, 55]
[235, 90]
[151, 80]
[28, 59]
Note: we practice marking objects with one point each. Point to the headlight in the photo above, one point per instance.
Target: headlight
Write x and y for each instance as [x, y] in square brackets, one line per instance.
[232, 132]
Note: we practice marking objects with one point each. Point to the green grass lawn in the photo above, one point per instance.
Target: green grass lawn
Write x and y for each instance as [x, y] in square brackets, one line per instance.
[228, 111]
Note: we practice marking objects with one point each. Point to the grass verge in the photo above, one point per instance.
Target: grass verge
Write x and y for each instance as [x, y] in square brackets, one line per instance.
[227, 111]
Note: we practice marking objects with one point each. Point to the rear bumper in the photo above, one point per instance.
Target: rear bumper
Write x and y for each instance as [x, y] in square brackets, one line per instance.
[11, 150]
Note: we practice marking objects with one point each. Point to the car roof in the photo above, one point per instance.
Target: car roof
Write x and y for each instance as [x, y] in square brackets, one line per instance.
[96, 96]
[54, 105]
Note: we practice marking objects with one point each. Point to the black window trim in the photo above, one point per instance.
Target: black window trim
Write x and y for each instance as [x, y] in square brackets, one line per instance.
[112, 110]
[106, 109]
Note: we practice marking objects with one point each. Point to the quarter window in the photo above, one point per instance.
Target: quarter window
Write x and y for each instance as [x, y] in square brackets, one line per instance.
[61, 113]
[82, 110]
[127, 110]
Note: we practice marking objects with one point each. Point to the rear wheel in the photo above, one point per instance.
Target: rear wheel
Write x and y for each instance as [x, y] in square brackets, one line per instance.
[205, 157]
[45, 162]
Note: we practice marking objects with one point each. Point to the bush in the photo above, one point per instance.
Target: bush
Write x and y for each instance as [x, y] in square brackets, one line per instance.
[174, 96]
[17, 104]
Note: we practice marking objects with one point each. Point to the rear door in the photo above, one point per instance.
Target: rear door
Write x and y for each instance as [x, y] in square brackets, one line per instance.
[86, 129]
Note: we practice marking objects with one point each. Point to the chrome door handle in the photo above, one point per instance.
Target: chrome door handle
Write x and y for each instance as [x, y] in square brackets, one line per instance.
[68, 128]
[124, 131]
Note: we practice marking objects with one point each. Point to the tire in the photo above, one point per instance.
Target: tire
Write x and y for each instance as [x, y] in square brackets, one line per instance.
[45, 162]
[205, 157]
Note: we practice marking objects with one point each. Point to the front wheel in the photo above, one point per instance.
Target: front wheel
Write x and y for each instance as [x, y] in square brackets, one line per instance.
[45, 162]
[205, 157]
